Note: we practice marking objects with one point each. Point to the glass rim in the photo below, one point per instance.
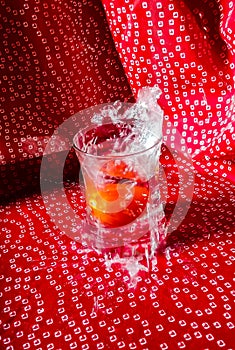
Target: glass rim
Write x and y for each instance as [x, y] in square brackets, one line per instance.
[114, 155]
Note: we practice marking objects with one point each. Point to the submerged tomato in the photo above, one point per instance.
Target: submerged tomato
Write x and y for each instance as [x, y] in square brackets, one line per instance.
[121, 195]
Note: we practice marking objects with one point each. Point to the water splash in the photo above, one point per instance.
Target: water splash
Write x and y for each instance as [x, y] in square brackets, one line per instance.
[146, 118]
[147, 115]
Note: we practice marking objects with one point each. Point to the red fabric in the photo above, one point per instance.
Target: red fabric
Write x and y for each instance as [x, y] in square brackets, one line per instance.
[56, 295]
[187, 48]
[58, 58]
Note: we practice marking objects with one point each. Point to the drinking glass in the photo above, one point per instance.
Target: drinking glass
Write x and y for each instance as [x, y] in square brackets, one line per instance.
[119, 163]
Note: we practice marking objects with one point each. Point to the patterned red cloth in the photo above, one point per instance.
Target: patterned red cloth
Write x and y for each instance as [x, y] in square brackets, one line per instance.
[187, 48]
[58, 58]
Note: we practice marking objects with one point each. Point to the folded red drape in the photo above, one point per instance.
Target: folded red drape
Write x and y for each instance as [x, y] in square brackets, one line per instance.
[56, 59]
[187, 48]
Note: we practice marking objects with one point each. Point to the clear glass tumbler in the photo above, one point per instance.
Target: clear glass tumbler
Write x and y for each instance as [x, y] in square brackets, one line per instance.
[119, 163]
